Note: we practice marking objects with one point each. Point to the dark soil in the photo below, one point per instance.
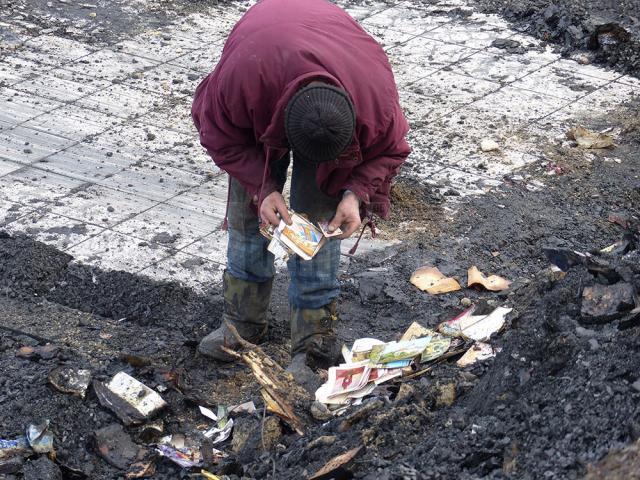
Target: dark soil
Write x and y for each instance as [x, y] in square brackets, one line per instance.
[558, 397]
[95, 22]
[609, 31]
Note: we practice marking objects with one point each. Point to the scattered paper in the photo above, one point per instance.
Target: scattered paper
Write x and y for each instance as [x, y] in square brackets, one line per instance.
[477, 353]
[346, 354]
[438, 346]
[40, 437]
[475, 327]
[431, 280]
[183, 451]
[489, 145]
[395, 364]
[336, 464]
[381, 375]
[208, 413]
[222, 430]
[589, 139]
[324, 228]
[492, 282]
[142, 470]
[186, 458]
[348, 378]
[217, 434]
[416, 330]
[323, 395]
[247, 407]
[361, 349]
[395, 351]
[14, 448]
[371, 362]
[278, 249]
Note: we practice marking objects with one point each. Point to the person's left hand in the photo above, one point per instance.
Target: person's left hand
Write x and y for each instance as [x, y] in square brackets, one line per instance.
[347, 216]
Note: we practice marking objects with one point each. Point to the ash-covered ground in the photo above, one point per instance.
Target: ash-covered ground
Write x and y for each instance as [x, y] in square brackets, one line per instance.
[559, 397]
[605, 32]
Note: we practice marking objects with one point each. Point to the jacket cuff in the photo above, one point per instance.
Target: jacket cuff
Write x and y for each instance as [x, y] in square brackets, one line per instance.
[360, 191]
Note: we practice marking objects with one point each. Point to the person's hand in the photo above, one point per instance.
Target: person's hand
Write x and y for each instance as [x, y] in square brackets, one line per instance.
[273, 209]
[347, 216]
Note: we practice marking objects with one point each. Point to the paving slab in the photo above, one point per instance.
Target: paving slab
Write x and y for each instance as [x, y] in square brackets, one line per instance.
[501, 67]
[36, 188]
[159, 45]
[111, 65]
[113, 251]
[213, 247]
[17, 107]
[420, 56]
[166, 79]
[555, 81]
[12, 211]
[54, 50]
[169, 225]
[84, 162]
[73, 122]
[202, 60]
[152, 181]
[24, 145]
[121, 100]
[57, 230]
[404, 19]
[195, 271]
[441, 93]
[518, 104]
[174, 115]
[101, 206]
[471, 35]
[14, 69]
[7, 166]
[61, 85]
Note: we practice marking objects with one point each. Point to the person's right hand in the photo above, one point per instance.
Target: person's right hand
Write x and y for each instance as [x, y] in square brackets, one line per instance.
[274, 208]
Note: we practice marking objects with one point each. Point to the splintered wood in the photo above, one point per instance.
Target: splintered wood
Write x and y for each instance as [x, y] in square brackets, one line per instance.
[281, 394]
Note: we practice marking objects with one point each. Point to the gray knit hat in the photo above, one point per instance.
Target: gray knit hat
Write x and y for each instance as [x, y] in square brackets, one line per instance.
[319, 122]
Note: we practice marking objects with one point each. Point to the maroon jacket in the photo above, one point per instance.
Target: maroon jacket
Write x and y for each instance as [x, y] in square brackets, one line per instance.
[277, 47]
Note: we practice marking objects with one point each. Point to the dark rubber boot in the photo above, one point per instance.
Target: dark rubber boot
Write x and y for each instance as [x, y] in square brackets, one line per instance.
[313, 334]
[302, 373]
[245, 307]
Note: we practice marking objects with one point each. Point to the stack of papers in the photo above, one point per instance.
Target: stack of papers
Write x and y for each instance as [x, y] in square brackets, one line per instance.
[371, 362]
[301, 238]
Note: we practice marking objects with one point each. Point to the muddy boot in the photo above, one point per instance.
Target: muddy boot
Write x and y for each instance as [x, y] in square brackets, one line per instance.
[302, 373]
[313, 337]
[245, 307]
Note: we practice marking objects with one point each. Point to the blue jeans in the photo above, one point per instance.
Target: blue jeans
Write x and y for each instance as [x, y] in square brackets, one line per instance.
[314, 282]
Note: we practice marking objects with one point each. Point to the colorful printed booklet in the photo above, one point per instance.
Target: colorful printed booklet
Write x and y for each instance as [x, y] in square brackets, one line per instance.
[302, 238]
